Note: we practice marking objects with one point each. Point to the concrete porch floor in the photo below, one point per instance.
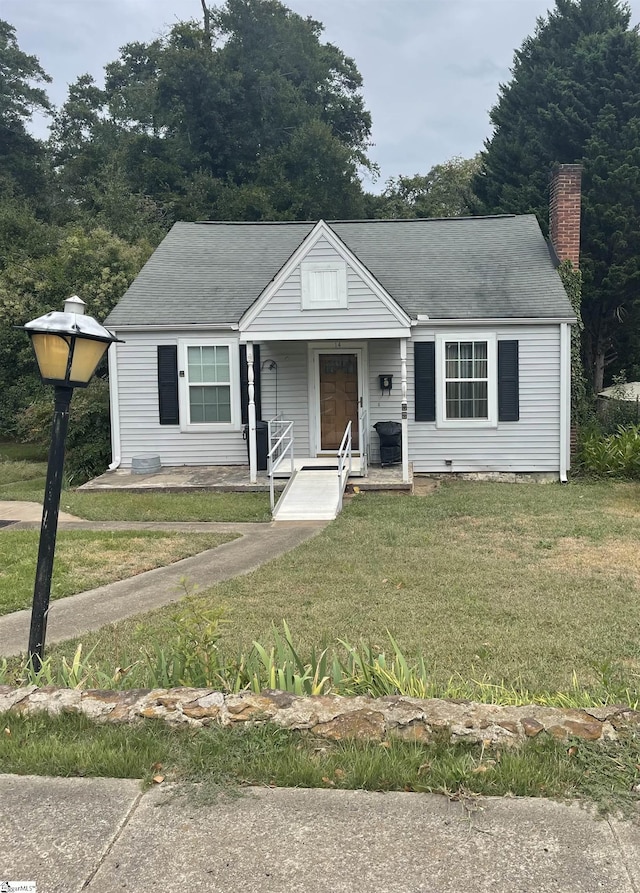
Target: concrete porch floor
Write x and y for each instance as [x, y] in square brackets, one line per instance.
[229, 478]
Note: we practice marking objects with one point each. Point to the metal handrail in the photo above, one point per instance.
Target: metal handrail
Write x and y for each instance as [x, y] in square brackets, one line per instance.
[278, 451]
[275, 427]
[344, 452]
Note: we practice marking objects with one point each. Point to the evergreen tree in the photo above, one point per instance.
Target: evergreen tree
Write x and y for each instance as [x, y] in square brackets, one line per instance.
[574, 97]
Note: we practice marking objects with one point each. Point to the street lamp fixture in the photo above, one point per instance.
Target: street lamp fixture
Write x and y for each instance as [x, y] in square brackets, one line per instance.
[68, 347]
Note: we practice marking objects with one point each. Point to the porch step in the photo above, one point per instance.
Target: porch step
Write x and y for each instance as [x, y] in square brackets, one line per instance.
[310, 495]
[284, 470]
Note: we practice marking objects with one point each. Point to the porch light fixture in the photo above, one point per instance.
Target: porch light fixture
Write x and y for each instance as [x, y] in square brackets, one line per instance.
[68, 347]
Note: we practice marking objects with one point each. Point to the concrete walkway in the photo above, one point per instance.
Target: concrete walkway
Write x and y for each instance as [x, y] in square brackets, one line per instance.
[302, 841]
[78, 614]
[27, 511]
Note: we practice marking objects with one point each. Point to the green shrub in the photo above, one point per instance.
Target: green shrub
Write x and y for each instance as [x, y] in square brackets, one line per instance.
[612, 455]
[194, 659]
[88, 449]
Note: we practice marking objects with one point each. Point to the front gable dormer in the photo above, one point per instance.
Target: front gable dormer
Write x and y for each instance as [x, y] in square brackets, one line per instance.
[324, 291]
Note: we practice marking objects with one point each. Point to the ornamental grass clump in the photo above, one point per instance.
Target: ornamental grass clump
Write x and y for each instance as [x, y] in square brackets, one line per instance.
[196, 659]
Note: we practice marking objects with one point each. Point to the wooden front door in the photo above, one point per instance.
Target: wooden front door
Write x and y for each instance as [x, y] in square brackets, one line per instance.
[338, 398]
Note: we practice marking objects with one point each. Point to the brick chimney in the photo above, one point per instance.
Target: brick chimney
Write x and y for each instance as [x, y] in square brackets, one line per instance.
[564, 212]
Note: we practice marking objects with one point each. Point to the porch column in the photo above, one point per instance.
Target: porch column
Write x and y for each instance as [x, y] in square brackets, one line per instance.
[251, 416]
[405, 414]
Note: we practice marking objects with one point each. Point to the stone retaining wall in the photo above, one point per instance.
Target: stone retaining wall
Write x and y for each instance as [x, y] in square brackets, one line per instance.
[331, 716]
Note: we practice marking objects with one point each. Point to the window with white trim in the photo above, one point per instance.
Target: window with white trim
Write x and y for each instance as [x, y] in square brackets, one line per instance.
[209, 384]
[468, 380]
[323, 284]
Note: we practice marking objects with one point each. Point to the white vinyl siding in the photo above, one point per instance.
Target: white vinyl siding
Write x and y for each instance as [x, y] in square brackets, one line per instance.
[530, 444]
[285, 313]
[384, 359]
[140, 428]
[284, 388]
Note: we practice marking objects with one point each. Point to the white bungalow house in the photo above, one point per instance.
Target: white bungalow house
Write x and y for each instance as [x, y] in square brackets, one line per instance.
[458, 329]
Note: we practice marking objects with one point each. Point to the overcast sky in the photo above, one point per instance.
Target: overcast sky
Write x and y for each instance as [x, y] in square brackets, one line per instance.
[431, 68]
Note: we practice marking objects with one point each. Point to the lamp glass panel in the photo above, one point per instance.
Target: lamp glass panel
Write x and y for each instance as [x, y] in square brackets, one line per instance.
[86, 356]
[52, 354]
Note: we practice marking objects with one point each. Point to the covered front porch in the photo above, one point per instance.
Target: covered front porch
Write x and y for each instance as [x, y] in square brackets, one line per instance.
[329, 337]
[317, 402]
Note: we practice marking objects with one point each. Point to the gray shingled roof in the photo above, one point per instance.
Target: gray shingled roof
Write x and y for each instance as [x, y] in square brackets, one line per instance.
[458, 268]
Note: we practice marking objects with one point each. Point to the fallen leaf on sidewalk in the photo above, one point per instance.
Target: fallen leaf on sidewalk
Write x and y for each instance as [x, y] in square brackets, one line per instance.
[158, 779]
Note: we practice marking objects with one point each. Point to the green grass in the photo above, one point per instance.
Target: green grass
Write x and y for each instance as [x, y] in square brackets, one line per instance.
[22, 472]
[534, 588]
[17, 452]
[217, 758]
[86, 559]
[202, 506]
[24, 481]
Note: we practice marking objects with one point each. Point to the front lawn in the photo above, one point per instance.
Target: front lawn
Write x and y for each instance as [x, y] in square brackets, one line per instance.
[534, 587]
[24, 480]
[86, 559]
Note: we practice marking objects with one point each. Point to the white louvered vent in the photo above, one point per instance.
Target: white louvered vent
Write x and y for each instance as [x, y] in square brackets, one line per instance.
[324, 285]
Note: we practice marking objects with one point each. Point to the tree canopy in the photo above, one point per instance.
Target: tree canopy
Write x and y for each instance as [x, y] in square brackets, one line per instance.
[248, 115]
[219, 120]
[574, 97]
[21, 156]
[445, 191]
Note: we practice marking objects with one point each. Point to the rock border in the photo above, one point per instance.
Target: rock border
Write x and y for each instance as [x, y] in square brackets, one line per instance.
[331, 716]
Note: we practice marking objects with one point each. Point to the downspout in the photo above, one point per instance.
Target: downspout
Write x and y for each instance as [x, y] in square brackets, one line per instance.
[114, 409]
[565, 399]
[405, 413]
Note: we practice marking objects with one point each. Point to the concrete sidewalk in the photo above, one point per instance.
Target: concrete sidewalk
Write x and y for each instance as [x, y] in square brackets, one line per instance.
[77, 614]
[11, 511]
[72, 834]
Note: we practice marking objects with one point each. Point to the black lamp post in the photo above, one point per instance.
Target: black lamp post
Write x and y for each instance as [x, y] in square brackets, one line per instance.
[68, 347]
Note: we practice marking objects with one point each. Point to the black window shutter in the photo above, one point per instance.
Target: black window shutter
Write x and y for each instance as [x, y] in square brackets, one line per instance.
[424, 354]
[244, 382]
[508, 382]
[168, 384]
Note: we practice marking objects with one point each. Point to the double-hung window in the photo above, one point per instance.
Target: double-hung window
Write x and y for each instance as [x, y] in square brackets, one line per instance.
[209, 384]
[468, 380]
